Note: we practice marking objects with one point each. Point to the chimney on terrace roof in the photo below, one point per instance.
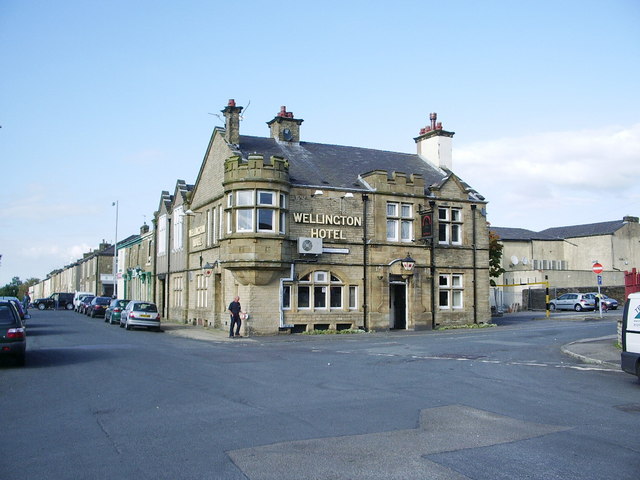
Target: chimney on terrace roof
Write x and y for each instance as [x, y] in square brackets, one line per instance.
[232, 122]
[284, 127]
[435, 144]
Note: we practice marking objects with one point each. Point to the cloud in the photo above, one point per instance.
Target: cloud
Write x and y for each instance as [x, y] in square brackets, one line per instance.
[527, 177]
[39, 202]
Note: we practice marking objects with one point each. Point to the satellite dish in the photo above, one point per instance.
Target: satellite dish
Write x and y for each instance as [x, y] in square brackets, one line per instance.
[525, 261]
[514, 260]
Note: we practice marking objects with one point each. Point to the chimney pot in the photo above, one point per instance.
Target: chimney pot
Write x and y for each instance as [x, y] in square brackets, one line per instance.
[433, 117]
[232, 102]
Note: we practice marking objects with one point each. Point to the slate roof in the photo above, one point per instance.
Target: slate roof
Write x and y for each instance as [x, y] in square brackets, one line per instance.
[317, 164]
[507, 233]
[559, 233]
[588, 230]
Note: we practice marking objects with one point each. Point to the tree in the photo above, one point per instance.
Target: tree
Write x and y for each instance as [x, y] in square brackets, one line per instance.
[495, 256]
[11, 288]
[24, 288]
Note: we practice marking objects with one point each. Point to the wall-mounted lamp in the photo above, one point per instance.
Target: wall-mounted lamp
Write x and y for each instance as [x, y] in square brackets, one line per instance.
[408, 263]
[348, 195]
[208, 267]
[317, 192]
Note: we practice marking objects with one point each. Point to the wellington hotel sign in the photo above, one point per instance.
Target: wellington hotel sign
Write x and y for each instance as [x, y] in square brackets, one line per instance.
[327, 221]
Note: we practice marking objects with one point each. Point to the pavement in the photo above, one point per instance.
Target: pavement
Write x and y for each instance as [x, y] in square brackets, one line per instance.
[602, 351]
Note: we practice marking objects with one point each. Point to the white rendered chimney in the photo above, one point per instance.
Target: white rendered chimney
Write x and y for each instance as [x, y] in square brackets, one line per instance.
[435, 145]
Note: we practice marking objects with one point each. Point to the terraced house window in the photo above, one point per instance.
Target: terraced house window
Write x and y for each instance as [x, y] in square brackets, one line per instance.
[162, 235]
[451, 291]
[399, 222]
[320, 290]
[259, 211]
[177, 231]
[449, 226]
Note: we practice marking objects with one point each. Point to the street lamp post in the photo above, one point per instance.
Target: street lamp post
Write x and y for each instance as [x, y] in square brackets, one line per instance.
[115, 255]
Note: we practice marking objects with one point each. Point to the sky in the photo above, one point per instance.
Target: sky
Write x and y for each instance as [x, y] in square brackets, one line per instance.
[105, 101]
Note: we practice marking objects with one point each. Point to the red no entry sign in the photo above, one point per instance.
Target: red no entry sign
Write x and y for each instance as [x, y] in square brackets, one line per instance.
[597, 268]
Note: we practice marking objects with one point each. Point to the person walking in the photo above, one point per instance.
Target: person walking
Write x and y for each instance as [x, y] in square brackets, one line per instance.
[235, 309]
[26, 300]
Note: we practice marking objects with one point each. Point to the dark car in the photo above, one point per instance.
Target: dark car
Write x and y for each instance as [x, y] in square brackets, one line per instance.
[84, 304]
[113, 312]
[19, 307]
[98, 306]
[56, 300]
[13, 337]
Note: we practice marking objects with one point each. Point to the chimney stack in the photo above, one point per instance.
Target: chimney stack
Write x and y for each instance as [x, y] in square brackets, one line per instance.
[232, 122]
[435, 144]
[284, 127]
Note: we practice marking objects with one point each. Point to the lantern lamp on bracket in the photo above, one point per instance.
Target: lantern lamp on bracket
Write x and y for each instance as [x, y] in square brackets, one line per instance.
[408, 263]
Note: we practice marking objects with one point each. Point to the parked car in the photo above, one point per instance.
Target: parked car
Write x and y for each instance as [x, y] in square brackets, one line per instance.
[572, 301]
[13, 336]
[611, 303]
[114, 310]
[56, 300]
[84, 303]
[78, 303]
[98, 306]
[19, 307]
[140, 314]
[77, 298]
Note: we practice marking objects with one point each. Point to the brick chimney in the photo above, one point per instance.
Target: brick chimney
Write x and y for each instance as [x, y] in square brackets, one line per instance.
[435, 144]
[232, 122]
[284, 127]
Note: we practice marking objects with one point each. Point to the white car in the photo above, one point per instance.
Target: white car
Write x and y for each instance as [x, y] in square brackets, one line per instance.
[77, 298]
[138, 313]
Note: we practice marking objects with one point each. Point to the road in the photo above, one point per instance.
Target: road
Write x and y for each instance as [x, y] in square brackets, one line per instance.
[96, 401]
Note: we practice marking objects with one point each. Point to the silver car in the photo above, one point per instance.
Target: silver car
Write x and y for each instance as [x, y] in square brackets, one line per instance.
[572, 301]
[140, 314]
[611, 303]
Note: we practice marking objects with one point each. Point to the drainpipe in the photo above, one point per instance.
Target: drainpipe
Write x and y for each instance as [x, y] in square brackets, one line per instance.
[168, 286]
[155, 263]
[475, 262]
[365, 297]
[432, 266]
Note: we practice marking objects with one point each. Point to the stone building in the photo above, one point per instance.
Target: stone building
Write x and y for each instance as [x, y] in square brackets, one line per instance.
[314, 236]
[95, 271]
[136, 266]
[172, 275]
[564, 256]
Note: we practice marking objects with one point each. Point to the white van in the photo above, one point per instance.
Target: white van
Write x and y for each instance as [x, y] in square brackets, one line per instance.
[630, 357]
[77, 298]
